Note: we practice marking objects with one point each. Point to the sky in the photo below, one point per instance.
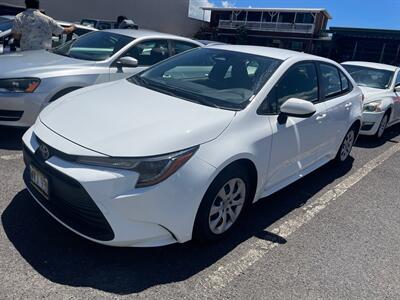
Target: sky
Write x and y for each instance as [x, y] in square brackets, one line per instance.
[383, 14]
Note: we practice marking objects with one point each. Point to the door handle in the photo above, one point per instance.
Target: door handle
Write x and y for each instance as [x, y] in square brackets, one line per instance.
[348, 105]
[321, 117]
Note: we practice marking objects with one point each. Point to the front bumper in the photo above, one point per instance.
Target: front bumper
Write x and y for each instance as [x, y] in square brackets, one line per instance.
[20, 109]
[371, 122]
[103, 205]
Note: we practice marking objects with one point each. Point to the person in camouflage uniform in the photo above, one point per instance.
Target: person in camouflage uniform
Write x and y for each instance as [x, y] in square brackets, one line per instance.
[34, 29]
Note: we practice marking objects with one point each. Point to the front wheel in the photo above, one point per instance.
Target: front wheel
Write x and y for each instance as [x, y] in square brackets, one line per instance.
[223, 204]
[346, 147]
[382, 126]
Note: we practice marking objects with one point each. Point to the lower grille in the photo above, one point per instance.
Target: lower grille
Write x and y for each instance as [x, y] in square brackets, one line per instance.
[367, 126]
[68, 201]
[10, 115]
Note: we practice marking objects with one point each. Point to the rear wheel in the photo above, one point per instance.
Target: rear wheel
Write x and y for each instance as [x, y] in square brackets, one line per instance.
[347, 146]
[382, 126]
[223, 204]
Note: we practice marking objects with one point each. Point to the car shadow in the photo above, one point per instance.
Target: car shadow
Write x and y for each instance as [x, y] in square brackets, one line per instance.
[372, 142]
[11, 138]
[65, 258]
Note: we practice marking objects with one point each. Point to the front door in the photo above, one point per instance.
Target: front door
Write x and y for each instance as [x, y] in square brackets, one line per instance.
[298, 143]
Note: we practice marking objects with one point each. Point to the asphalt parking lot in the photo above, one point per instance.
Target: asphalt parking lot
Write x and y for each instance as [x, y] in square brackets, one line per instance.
[335, 234]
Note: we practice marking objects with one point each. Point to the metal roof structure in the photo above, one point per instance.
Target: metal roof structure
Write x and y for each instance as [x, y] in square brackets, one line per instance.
[266, 9]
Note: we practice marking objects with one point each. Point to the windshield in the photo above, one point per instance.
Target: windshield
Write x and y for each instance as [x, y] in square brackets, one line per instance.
[369, 77]
[5, 25]
[212, 77]
[94, 46]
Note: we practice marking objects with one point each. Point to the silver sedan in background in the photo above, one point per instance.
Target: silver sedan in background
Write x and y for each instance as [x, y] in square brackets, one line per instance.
[30, 80]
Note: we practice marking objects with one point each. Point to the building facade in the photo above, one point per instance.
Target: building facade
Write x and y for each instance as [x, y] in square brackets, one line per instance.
[291, 28]
[374, 45]
[165, 16]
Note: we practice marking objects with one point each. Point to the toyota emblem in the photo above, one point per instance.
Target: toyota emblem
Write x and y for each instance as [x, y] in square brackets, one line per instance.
[44, 151]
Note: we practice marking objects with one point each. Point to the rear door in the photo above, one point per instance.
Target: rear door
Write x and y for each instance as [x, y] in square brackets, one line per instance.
[335, 89]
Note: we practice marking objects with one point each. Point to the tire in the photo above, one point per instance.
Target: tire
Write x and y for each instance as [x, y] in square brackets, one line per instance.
[382, 126]
[346, 146]
[217, 215]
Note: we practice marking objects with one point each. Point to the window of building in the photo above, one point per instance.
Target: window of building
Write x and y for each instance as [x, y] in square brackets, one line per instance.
[297, 46]
[270, 17]
[304, 18]
[239, 16]
[286, 17]
[225, 15]
[254, 16]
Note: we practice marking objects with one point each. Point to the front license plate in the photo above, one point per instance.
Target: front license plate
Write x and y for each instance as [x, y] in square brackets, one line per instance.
[39, 181]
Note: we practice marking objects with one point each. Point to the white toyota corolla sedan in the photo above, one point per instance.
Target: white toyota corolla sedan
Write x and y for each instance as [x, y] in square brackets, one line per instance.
[381, 87]
[177, 152]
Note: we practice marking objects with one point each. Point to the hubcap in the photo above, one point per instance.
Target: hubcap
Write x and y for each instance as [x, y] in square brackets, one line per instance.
[382, 126]
[347, 146]
[227, 206]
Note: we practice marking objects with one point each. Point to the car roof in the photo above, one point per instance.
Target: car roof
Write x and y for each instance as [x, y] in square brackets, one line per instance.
[139, 33]
[276, 53]
[63, 23]
[371, 65]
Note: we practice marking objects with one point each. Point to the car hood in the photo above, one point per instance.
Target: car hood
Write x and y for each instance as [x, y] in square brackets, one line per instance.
[372, 94]
[122, 119]
[37, 63]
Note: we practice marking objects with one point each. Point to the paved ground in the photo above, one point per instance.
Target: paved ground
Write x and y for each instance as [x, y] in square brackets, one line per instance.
[333, 235]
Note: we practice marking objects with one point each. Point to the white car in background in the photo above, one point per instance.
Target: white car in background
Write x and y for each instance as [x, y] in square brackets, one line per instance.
[381, 87]
[30, 80]
[178, 151]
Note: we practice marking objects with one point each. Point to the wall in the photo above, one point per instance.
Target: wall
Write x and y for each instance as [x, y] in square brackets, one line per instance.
[169, 16]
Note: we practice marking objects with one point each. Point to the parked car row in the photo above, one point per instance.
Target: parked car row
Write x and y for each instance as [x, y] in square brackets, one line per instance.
[31, 80]
[189, 137]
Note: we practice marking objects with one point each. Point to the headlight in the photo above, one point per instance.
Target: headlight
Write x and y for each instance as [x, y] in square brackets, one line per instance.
[19, 85]
[375, 106]
[151, 170]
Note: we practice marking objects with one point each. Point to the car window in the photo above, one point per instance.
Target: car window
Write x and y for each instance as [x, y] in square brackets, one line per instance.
[180, 46]
[346, 86]
[370, 77]
[94, 46]
[331, 80]
[104, 25]
[397, 83]
[301, 82]
[8, 44]
[5, 25]
[213, 77]
[149, 52]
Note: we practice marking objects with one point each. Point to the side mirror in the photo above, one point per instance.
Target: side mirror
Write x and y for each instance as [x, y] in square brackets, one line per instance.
[397, 88]
[128, 62]
[297, 108]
